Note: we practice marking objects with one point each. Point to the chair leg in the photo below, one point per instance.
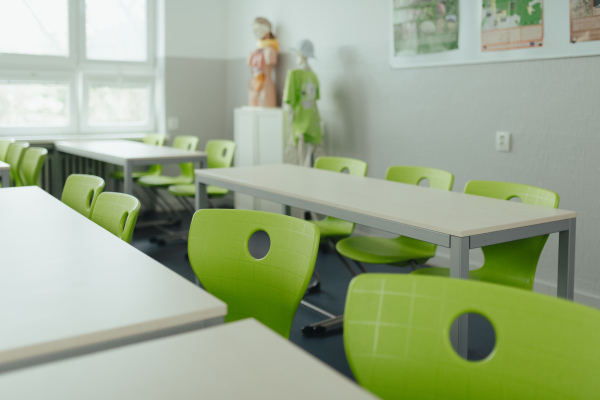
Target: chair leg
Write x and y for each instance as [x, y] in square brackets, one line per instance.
[315, 285]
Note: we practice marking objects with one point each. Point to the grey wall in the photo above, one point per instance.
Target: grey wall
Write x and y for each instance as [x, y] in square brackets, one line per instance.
[195, 94]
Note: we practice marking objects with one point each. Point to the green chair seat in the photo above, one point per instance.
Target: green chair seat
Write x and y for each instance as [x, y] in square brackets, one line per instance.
[399, 251]
[120, 175]
[219, 154]
[153, 139]
[375, 250]
[163, 180]
[189, 190]
[182, 142]
[511, 263]
[269, 288]
[335, 228]
[397, 341]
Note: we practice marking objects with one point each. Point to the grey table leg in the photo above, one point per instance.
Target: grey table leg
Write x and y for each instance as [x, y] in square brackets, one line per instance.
[459, 268]
[201, 200]
[127, 178]
[5, 178]
[57, 174]
[566, 262]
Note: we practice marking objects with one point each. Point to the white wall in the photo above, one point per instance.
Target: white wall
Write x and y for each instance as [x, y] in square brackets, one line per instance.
[196, 29]
[195, 67]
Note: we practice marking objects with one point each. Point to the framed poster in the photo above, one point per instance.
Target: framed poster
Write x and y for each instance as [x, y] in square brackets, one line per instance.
[427, 33]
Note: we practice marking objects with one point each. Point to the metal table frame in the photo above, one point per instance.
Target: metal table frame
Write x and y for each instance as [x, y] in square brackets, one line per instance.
[5, 174]
[128, 161]
[459, 245]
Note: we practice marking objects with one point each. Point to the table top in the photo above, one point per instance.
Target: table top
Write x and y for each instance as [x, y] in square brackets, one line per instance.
[449, 213]
[65, 282]
[120, 151]
[4, 166]
[239, 360]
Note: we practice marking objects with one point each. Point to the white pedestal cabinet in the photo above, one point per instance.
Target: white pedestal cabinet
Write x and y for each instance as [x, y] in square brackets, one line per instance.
[259, 136]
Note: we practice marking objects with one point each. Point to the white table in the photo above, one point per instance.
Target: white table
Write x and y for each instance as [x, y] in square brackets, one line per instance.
[5, 174]
[69, 287]
[239, 360]
[127, 154]
[449, 219]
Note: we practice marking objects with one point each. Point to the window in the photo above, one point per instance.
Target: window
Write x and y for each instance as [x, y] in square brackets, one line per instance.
[34, 104]
[116, 30]
[76, 66]
[37, 27]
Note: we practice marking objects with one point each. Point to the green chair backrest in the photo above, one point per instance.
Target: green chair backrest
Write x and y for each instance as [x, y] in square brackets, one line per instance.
[219, 153]
[14, 156]
[438, 179]
[396, 336]
[268, 289]
[154, 139]
[512, 263]
[31, 165]
[81, 193]
[117, 213]
[4, 145]
[190, 143]
[341, 164]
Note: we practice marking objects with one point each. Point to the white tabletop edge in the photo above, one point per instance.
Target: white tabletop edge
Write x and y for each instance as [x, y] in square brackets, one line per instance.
[551, 215]
[85, 148]
[205, 361]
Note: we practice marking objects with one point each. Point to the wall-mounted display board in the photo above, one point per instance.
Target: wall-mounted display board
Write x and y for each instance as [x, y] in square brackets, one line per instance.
[449, 32]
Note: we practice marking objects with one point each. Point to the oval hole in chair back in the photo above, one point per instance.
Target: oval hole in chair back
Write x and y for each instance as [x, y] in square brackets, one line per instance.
[259, 244]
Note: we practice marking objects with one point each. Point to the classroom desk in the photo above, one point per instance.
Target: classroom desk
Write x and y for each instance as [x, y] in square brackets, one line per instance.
[5, 174]
[449, 219]
[239, 360]
[127, 154]
[69, 287]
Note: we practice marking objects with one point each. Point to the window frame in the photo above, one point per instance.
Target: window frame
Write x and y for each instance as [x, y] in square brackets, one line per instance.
[78, 71]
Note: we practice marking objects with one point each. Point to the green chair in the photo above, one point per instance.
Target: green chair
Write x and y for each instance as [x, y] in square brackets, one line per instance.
[268, 289]
[219, 154]
[15, 154]
[4, 145]
[117, 213]
[332, 229]
[511, 263]
[31, 166]
[153, 139]
[396, 337]
[81, 193]
[182, 142]
[402, 250]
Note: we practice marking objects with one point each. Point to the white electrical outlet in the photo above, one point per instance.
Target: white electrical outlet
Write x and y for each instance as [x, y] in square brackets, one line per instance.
[503, 141]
